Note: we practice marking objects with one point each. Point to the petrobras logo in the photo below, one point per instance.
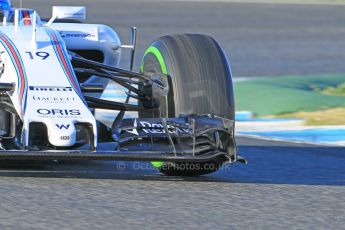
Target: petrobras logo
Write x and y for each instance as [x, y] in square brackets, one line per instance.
[76, 35]
[50, 89]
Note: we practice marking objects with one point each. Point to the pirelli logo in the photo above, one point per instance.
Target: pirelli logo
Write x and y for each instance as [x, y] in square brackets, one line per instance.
[50, 88]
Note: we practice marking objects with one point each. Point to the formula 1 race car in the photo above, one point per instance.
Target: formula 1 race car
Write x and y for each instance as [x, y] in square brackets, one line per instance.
[60, 83]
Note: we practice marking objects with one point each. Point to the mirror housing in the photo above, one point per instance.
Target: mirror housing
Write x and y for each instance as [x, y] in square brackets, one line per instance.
[69, 12]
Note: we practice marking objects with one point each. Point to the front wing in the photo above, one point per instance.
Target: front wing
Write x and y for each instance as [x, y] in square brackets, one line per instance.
[183, 139]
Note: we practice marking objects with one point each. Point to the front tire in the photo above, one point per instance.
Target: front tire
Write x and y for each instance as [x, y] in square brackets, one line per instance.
[200, 82]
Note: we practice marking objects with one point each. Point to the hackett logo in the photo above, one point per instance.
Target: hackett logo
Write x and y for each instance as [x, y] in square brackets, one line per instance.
[50, 88]
[53, 99]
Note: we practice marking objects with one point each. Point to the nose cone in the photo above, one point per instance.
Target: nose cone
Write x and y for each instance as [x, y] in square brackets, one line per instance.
[62, 134]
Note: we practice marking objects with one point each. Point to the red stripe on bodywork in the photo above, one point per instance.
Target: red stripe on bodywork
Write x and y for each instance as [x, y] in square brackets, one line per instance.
[64, 62]
[20, 68]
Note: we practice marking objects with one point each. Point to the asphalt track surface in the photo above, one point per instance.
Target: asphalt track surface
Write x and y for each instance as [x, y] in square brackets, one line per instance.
[285, 185]
[260, 39]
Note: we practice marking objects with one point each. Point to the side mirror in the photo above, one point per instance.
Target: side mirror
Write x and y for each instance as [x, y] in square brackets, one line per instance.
[69, 12]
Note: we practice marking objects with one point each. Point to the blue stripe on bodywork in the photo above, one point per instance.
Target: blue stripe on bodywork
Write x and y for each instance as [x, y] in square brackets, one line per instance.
[63, 58]
[8, 44]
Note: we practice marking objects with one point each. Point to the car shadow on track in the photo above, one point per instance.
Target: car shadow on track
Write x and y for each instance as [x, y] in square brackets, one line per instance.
[117, 170]
[299, 165]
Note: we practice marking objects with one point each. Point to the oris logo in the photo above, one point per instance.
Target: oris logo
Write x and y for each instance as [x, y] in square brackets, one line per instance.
[59, 112]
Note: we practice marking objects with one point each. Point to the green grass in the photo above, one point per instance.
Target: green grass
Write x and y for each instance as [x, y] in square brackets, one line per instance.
[334, 116]
[338, 90]
[288, 94]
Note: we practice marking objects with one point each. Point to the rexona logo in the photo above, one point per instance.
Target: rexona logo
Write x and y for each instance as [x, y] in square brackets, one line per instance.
[57, 112]
[50, 88]
[155, 128]
[159, 128]
[62, 126]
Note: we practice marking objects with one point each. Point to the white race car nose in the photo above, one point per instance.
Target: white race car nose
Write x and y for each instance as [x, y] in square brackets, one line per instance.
[62, 135]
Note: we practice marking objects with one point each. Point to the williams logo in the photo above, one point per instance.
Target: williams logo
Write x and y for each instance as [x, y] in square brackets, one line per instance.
[50, 88]
[62, 126]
